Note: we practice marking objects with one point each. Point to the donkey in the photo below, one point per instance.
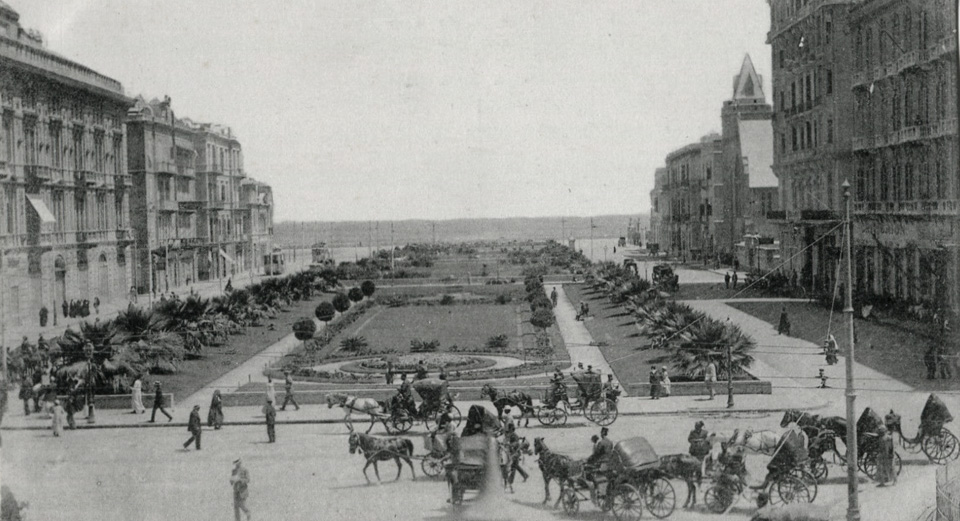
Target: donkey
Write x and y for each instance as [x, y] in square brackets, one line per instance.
[555, 466]
[518, 399]
[382, 449]
[352, 404]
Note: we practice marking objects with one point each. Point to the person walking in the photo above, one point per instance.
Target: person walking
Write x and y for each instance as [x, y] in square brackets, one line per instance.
[554, 296]
[58, 415]
[783, 326]
[240, 481]
[194, 427]
[734, 278]
[389, 373]
[726, 280]
[654, 384]
[515, 451]
[271, 391]
[158, 404]
[288, 387]
[710, 377]
[215, 414]
[136, 397]
[665, 381]
[26, 393]
[270, 413]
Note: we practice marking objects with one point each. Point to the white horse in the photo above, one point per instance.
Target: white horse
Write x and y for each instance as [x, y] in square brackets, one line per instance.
[352, 404]
[715, 439]
[767, 442]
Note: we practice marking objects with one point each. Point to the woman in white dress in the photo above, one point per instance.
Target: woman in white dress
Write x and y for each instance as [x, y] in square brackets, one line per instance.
[137, 397]
[665, 381]
[58, 415]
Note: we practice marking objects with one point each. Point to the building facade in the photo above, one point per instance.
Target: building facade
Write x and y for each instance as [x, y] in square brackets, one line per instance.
[65, 231]
[906, 189]
[656, 235]
[812, 132]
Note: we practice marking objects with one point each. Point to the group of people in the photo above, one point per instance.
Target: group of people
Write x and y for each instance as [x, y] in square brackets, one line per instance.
[659, 383]
[608, 389]
[79, 308]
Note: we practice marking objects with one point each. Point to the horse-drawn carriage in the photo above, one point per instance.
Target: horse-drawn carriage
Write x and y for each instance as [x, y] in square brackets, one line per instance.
[868, 446]
[633, 479]
[436, 401]
[478, 441]
[664, 278]
[935, 440]
[592, 403]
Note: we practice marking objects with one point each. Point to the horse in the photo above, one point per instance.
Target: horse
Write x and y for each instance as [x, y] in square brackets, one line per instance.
[382, 449]
[761, 442]
[518, 399]
[687, 468]
[813, 425]
[555, 466]
[376, 410]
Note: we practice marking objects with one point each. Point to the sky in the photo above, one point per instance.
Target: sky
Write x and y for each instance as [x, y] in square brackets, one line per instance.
[400, 109]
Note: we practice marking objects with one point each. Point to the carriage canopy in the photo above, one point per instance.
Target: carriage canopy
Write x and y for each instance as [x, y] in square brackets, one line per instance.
[634, 453]
[473, 450]
[869, 422]
[480, 421]
[935, 412]
[431, 389]
[589, 383]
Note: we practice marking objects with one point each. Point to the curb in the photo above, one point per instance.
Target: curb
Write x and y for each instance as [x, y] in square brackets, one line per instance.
[685, 412]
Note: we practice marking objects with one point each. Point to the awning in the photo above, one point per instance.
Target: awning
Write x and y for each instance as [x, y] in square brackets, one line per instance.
[227, 257]
[37, 203]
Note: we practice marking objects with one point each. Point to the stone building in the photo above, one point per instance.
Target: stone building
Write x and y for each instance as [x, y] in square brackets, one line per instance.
[64, 211]
[687, 228]
[256, 202]
[906, 188]
[656, 236]
[164, 201]
[812, 129]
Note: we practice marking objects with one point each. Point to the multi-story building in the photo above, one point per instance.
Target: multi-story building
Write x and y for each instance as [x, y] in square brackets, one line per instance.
[684, 191]
[812, 129]
[906, 190]
[164, 201]
[256, 201]
[750, 189]
[657, 235]
[64, 211]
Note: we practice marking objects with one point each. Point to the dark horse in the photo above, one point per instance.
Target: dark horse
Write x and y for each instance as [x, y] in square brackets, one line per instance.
[382, 449]
[518, 399]
[555, 466]
[687, 468]
[814, 426]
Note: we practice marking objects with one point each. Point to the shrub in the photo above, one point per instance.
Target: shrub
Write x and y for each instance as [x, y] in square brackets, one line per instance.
[355, 294]
[446, 300]
[542, 318]
[325, 312]
[341, 302]
[503, 298]
[541, 302]
[368, 287]
[421, 346]
[354, 344]
[498, 342]
[304, 329]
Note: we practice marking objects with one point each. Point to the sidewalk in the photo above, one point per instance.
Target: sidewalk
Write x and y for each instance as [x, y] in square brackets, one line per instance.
[576, 337]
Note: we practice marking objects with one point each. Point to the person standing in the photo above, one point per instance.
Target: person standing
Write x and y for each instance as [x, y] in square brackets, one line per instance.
[665, 381]
[240, 481]
[136, 397]
[26, 393]
[215, 414]
[726, 280]
[515, 450]
[389, 373]
[194, 427]
[288, 387]
[271, 391]
[508, 419]
[710, 377]
[885, 456]
[554, 296]
[133, 295]
[158, 404]
[270, 413]
[734, 278]
[57, 418]
[783, 326]
[654, 384]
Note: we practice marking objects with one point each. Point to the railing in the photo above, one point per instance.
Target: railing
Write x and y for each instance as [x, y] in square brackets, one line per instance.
[42, 59]
[13, 240]
[122, 180]
[168, 205]
[89, 178]
[908, 60]
[948, 492]
[165, 167]
[908, 134]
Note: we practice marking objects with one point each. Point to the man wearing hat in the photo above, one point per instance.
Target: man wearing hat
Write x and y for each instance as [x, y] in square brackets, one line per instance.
[515, 447]
[158, 404]
[699, 447]
[507, 419]
[598, 460]
[288, 387]
[194, 427]
[239, 480]
[270, 413]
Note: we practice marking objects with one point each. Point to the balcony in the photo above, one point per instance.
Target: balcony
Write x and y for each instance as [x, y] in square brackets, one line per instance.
[89, 178]
[91, 237]
[188, 204]
[908, 60]
[167, 205]
[14, 240]
[165, 167]
[818, 215]
[122, 180]
[36, 174]
[44, 60]
[906, 134]
[945, 127]
[862, 143]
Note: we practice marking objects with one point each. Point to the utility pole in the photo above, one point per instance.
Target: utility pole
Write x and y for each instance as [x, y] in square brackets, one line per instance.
[853, 502]
[729, 374]
[591, 239]
[563, 229]
[369, 240]
[392, 247]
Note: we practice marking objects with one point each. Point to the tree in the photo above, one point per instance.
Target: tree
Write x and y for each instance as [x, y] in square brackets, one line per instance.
[341, 302]
[542, 318]
[355, 294]
[368, 287]
[353, 344]
[325, 312]
[706, 341]
[304, 329]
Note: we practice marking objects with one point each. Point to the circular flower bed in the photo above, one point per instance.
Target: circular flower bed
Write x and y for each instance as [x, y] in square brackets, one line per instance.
[408, 363]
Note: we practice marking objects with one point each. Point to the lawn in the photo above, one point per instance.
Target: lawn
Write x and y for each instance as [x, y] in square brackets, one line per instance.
[715, 291]
[892, 347]
[217, 361]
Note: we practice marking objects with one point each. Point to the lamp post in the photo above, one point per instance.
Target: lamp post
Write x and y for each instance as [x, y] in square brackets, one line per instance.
[853, 506]
[89, 350]
[729, 376]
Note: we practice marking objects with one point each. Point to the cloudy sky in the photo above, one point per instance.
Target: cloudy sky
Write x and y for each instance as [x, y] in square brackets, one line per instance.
[372, 109]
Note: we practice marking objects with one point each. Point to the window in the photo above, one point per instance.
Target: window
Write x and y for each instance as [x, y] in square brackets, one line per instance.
[809, 141]
[827, 30]
[829, 81]
[8, 143]
[809, 90]
[118, 155]
[709, 173]
[118, 208]
[794, 139]
[102, 218]
[897, 174]
[829, 131]
[98, 151]
[793, 95]
[908, 181]
[30, 142]
[816, 132]
[56, 196]
[10, 201]
[783, 59]
[78, 149]
[80, 209]
[56, 146]
[783, 143]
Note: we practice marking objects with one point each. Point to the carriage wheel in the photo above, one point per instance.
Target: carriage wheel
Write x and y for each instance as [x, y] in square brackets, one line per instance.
[808, 479]
[400, 424]
[941, 447]
[432, 466]
[545, 416]
[660, 497]
[818, 467]
[433, 418]
[868, 465]
[718, 499]
[603, 412]
[789, 489]
[570, 501]
[627, 503]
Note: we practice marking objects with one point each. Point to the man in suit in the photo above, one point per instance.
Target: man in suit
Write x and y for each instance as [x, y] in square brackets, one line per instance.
[194, 427]
[271, 415]
[158, 404]
[288, 387]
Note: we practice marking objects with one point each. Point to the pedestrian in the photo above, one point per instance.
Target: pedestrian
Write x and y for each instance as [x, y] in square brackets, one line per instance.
[194, 427]
[783, 326]
[58, 415]
[271, 391]
[553, 296]
[943, 367]
[215, 414]
[515, 451]
[929, 361]
[158, 404]
[96, 305]
[288, 387]
[507, 418]
[726, 280]
[710, 377]
[240, 481]
[654, 384]
[271, 415]
[136, 396]
[665, 381]
[885, 456]
[229, 286]
[133, 295]
[26, 393]
[734, 279]
[389, 374]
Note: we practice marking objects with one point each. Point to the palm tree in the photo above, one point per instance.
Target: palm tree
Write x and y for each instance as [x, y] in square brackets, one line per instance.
[706, 341]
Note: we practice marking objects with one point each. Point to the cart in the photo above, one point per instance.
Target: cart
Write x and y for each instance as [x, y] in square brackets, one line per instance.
[436, 401]
[592, 403]
[935, 440]
[470, 473]
[636, 463]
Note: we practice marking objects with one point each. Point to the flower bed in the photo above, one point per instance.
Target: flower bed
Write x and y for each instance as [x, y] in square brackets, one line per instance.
[408, 363]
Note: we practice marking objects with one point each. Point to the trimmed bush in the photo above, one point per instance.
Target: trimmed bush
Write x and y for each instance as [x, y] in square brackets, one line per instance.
[304, 329]
[325, 312]
[355, 294]
[368, 288]
[341, 302]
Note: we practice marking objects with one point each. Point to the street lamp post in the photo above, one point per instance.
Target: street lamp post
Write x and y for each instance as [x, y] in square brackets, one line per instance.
[729, 376]
[853, 506]
[88, 349]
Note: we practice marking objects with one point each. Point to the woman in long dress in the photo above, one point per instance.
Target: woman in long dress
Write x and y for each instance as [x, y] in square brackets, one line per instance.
[137, 397]
[665, 381]
[215, 416]
[58, 415]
